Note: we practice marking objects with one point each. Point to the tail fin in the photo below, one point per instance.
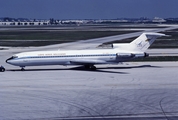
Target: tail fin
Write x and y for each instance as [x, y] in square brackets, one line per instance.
[143, 42]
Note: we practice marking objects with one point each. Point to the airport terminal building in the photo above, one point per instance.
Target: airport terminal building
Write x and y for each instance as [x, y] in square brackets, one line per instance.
[24, 23]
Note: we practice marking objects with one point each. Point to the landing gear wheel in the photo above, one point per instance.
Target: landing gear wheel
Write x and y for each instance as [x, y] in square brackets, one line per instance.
[93, 67]
[22, 69]
[87, 66]
[90, 67]
[3, 69]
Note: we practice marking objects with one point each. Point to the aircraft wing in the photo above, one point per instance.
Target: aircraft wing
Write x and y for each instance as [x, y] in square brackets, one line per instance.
[89, 61]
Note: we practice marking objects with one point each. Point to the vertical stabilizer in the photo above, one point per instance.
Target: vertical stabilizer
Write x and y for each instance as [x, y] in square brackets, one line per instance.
[143, 42]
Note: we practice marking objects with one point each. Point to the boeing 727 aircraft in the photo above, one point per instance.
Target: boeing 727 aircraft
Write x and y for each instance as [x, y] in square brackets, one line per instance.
[88, 58]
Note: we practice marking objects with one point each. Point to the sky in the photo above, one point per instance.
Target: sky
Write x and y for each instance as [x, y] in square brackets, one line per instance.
[88, 9]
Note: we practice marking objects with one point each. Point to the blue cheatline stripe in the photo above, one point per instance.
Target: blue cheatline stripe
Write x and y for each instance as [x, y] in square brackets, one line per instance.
[94, 55]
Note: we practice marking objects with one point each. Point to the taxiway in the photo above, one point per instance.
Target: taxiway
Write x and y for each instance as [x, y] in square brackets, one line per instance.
[133, 90]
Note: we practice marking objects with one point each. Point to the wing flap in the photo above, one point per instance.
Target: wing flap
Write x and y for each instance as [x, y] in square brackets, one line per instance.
[83, 61]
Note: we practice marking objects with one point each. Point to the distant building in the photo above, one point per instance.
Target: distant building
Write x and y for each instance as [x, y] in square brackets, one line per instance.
[23, 22]
[158, 20]
[73, 21]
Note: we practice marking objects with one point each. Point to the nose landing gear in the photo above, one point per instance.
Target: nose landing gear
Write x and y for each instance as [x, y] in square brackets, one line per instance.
[2, 69]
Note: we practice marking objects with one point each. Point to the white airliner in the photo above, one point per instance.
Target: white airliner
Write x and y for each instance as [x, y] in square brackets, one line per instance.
[88, 58]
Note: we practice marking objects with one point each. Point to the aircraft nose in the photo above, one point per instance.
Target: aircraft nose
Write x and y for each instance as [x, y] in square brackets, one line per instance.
[7, 61]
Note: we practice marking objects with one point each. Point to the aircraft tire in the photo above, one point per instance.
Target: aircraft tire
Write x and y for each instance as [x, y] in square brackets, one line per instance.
[22, 69]
[2, 69]
[92, 68]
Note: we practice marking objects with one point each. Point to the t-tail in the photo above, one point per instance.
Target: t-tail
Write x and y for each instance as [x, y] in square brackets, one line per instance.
[142, 43]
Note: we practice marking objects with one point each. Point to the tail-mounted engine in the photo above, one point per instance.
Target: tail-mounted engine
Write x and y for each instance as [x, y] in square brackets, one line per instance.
[131, 55]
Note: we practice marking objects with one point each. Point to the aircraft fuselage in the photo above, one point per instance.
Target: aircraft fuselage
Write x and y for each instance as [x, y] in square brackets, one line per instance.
[71, 57]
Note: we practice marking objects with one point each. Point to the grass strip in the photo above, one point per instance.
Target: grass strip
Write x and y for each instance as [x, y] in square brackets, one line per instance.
[156, 58]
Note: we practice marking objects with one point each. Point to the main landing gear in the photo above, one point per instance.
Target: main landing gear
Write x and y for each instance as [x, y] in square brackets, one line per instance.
[90, 67]
[22, 69]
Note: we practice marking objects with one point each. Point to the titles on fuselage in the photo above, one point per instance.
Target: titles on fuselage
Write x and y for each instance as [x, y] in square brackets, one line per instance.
[52, 54]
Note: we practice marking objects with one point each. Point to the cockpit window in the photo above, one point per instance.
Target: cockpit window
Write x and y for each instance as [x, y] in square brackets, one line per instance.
[14, 56]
